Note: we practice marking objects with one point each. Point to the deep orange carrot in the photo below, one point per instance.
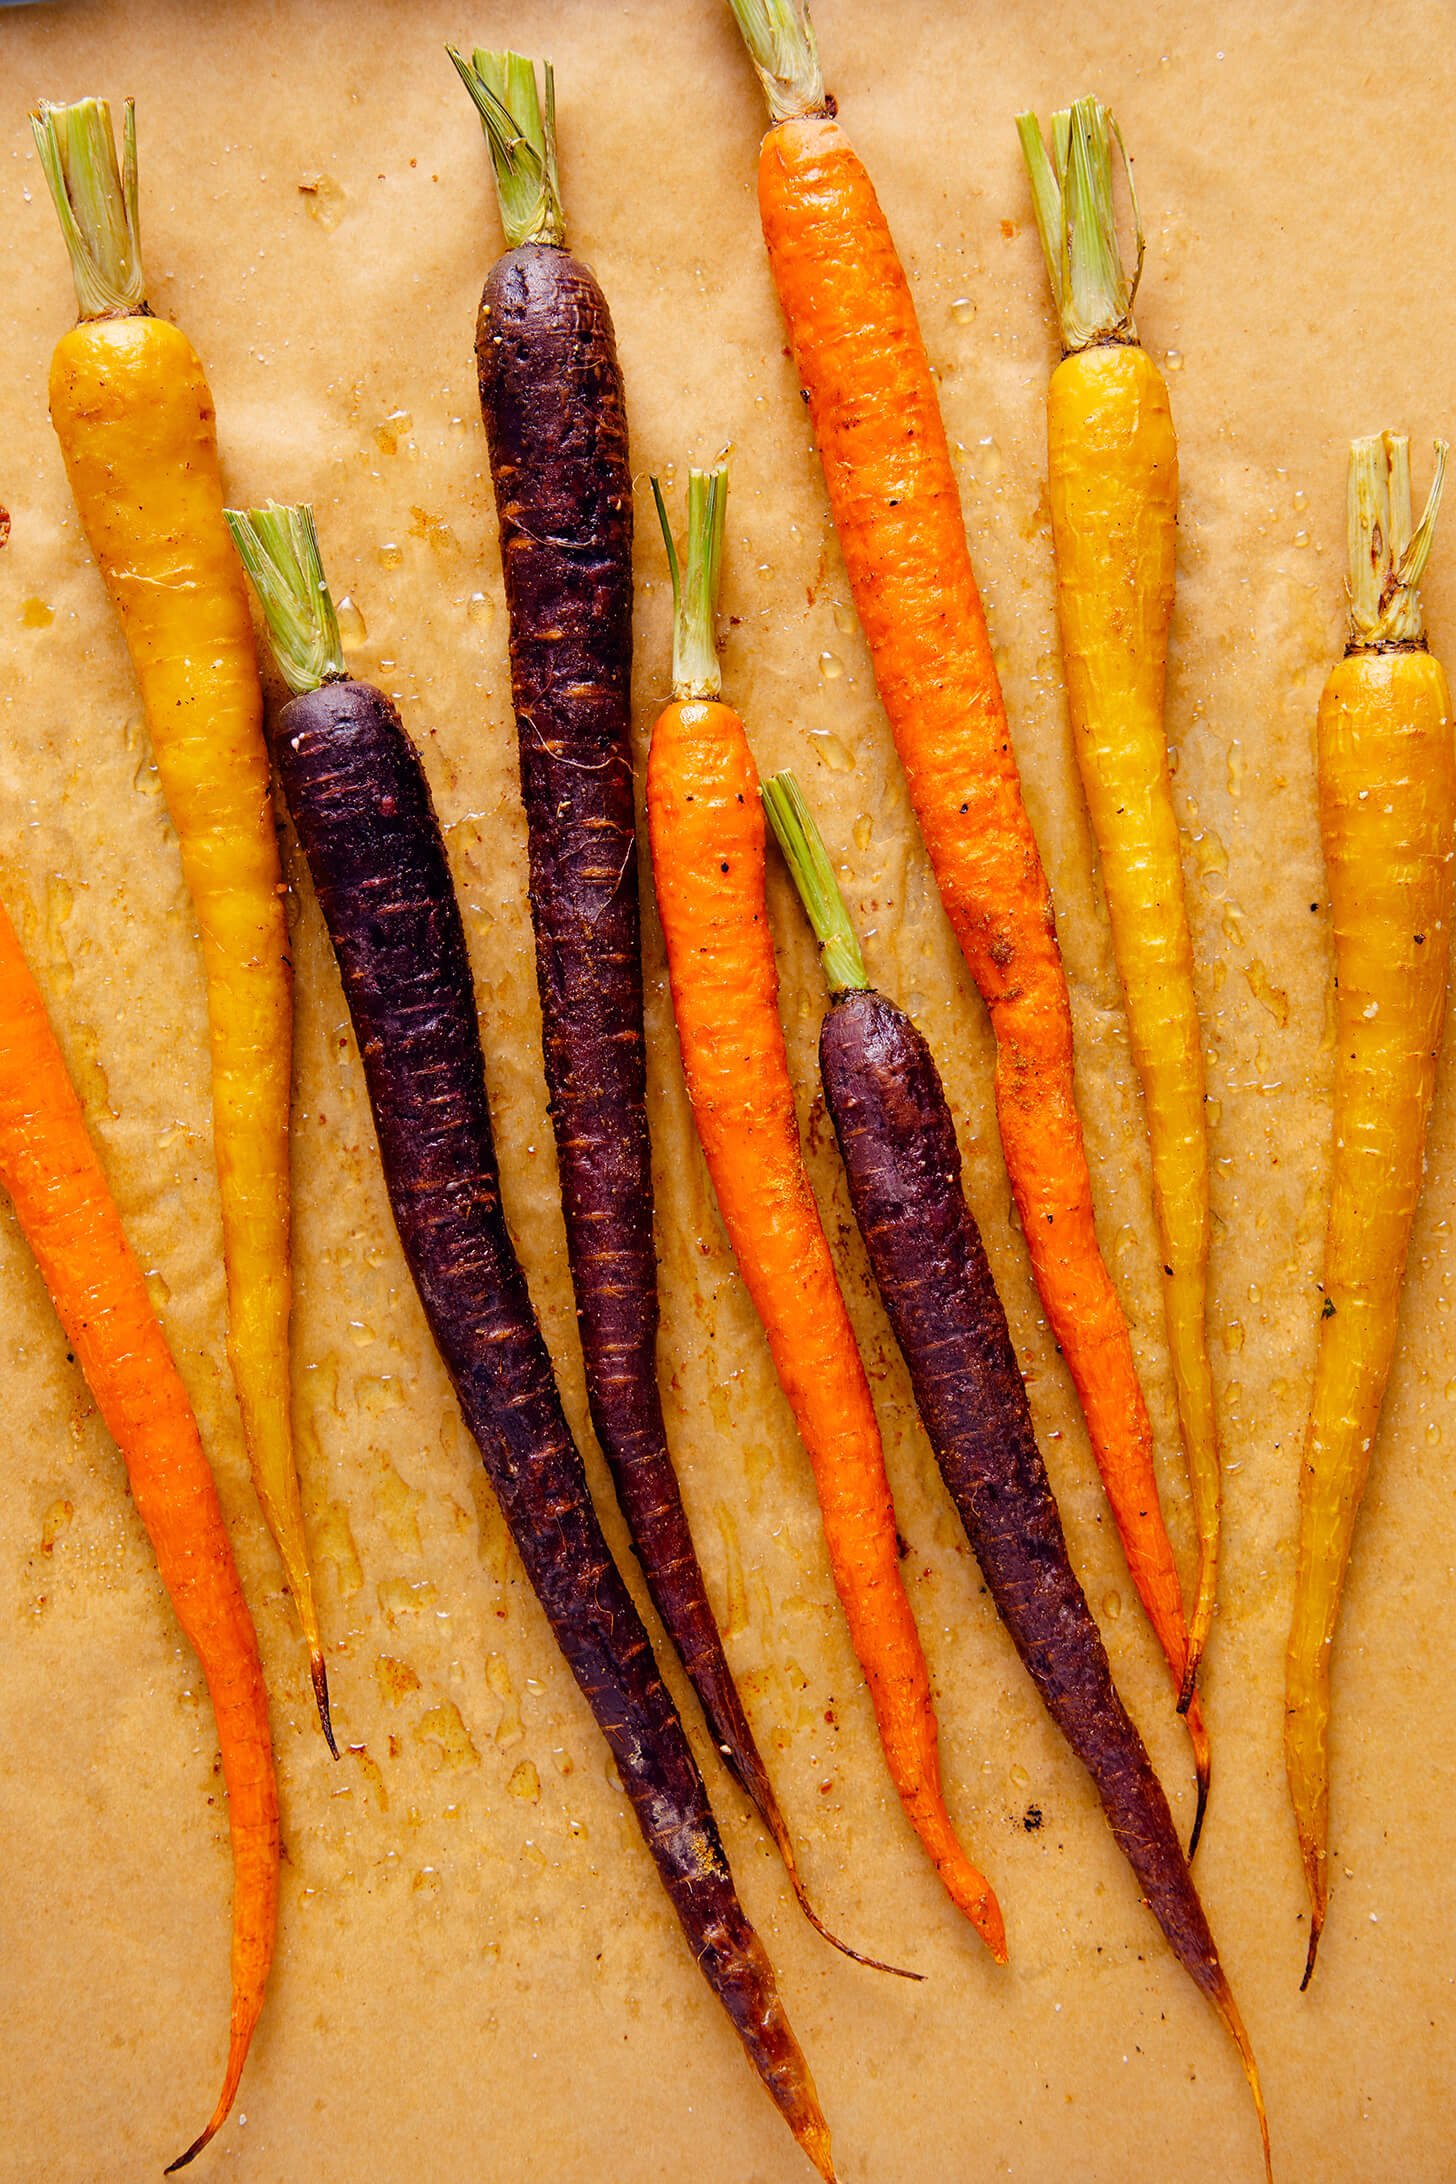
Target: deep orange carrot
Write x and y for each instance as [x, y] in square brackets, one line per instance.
[50, 1169]
[707, 833]
[892, 491]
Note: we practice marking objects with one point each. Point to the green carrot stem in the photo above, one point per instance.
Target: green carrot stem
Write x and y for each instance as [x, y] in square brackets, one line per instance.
[95, 196]
[279, 548]
[695, 669]
[797, 833]
[1071, 197]
[782, 46]
[520, 128]
[1388, 558]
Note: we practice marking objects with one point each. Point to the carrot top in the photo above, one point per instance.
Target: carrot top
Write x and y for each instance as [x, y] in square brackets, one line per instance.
[520, 128]
[695, 669]
[796, 831]
[279, 548]
[1387, 558]
[95, 197]
[1071, 195]
[782, 46]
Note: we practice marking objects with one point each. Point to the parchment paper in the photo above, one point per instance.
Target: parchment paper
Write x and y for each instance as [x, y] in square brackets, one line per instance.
[477, 1974]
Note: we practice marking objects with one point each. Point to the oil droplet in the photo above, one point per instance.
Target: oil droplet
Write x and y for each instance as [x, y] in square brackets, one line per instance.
[864, 832]
[390, 555]
[376, 1393]
[831, 667]
[1112, 1606]
[54, 1522]
[35, 614]
[1256, 1294]
[844, 620]
[324, 199]
[1301, 538]
[396, 1505]
[736, 1616]
[1433, 1433]
[525, 1783]
[831, 752]
[1000, 660]
[1233, 1337]
[509, 1729]
[1235, 767]
[334, 1542]
[1020, 1777]
[1272, 997]
[480, 609]
[353, 629]
[1451, 1391]
[1233, 924]
[990, 461]
[1173, 360]
[535, 1856]
[963, 311]
[395, 428]
[1209, 854]
[434, 530]
[1213, 1109]
[395, 1678]
[402, 1596]
[1301, 500]
[441, 1725]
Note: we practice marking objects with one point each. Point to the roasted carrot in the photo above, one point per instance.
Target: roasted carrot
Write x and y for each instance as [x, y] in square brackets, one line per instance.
[362, 808]
[903, 1165]
[556, 425]
[892, 492]
[707, 836]
[50, 1169]
[1387, 802]
[134, 418]
[1112, 470]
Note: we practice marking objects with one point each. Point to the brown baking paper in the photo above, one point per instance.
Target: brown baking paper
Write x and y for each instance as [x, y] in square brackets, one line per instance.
[477, 1974]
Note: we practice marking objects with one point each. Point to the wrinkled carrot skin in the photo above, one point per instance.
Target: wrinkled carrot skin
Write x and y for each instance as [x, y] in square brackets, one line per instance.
[135, 421]
[50, 1169]
[707, 835]
[862, 364]
[1387, 790]
[1113, 486]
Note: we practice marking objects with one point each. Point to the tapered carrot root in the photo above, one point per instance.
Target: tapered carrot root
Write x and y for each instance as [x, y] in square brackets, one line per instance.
[134, 417]
[50, 1169]
[1387, 779]
[707, 835]
[892, 492]
[1112, 473]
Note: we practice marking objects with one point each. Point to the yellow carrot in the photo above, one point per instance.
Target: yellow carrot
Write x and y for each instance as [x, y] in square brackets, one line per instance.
[1113, 478]
[134, 418]
[1387, 783]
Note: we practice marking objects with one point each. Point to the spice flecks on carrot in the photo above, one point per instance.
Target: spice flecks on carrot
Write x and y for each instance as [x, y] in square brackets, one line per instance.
[892, 491]
[708, 866]
[364, 816]
[134, 417]
[50, 1169]
[1113, 488]
[1387, 798]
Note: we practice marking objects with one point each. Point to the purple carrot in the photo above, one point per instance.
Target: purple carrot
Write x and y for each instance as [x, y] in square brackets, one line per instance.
[903, 1166]
[361, 806]
[556, 426]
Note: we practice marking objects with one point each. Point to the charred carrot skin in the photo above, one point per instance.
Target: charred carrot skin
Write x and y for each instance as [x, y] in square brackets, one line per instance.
[360, 802]
[1387, 795]
[708, 866]
[50, 1170]
[862, 365]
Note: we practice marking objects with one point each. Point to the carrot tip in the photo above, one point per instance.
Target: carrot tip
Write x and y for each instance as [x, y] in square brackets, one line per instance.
[1200, 1811]
[1316, 1929]
[791, 1866]
[321, 1694]
[192, 2152]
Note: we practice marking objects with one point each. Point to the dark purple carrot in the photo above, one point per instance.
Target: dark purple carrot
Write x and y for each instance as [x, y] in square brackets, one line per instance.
[556, 426]
[361, 805]
[903, 1166]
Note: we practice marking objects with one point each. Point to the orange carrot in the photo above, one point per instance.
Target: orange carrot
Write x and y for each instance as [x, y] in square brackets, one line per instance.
[707, 834]
[892, 491]
[50, 1168]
